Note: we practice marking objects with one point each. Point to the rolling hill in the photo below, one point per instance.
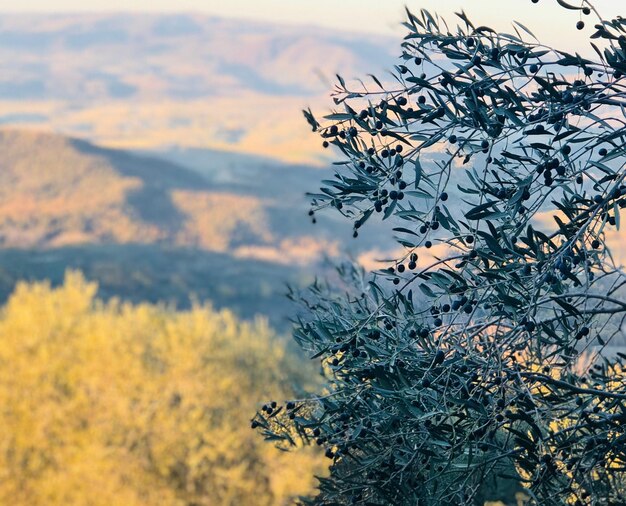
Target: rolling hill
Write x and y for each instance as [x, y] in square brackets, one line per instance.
[172, 227]
[56, 191]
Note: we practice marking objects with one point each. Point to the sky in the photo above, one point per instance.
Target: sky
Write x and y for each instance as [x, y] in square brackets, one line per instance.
[550, 23]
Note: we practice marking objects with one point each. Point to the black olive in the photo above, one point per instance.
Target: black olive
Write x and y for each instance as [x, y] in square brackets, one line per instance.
[439, 357]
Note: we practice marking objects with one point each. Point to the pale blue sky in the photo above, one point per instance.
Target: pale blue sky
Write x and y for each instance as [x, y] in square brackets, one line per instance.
[551, 23]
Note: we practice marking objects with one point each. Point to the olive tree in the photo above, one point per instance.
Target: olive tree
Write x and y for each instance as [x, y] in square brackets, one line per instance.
[485, 352]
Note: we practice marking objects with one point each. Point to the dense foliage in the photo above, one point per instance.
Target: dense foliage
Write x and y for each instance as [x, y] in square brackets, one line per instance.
[137, 404]
[491, 361]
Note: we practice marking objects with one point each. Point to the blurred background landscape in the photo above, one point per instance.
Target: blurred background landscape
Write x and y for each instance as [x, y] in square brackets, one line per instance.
[153, 171]
[166, 155]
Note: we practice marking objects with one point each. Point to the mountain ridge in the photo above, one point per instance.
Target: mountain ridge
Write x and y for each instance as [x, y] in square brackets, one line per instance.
[63, 187]
[152, 81]
[57, 191]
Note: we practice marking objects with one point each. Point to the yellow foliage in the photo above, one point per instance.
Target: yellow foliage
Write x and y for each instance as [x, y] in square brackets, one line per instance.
[111, 403]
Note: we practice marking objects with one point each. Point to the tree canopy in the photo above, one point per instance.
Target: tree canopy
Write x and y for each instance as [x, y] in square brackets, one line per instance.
[486, 351]
[114, 403]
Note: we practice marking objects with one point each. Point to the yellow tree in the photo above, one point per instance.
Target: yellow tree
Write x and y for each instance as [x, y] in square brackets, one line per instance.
[137, 405]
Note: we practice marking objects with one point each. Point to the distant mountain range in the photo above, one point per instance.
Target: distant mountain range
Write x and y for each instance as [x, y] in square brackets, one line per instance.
[194, 158]
[181, 56]
[147, 80]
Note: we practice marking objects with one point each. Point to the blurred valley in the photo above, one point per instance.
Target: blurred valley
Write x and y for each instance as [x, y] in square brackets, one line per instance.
[166, 156]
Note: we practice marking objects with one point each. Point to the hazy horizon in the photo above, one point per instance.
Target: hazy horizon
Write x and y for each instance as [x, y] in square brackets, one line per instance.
[554, 26]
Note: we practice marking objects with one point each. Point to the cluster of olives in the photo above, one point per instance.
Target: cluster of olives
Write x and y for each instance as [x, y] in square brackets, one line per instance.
[582, 332]
[350, 348]
[434, 225]
[411, 265]
[269, 408]
[338, 439]
[272, 409]
[462, 303]
[546, 168]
